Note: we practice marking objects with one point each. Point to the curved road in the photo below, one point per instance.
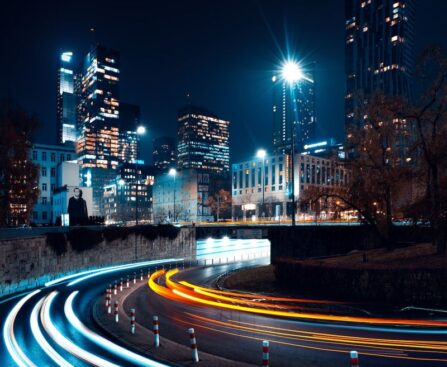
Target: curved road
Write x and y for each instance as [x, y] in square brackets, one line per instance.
[53, 326]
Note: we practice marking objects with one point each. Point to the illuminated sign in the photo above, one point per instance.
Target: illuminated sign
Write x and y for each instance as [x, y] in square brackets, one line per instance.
[315, 145]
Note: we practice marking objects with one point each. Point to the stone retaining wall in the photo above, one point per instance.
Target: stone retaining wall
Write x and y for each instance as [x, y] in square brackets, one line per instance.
[29, 262]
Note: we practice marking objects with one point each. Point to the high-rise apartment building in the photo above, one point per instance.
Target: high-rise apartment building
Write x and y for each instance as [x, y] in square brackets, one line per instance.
[293, 112]
[128, 138]
[66, 99]
[98, 140]
[379, 52]
[163, 153]
[203, 141]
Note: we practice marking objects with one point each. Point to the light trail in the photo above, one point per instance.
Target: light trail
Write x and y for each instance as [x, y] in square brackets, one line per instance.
[13, 347]
[64, 342]
[176, 292]
[37, 333]
[103, 342]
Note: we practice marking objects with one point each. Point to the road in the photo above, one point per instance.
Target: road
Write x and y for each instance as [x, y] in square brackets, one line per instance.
[293, 342]
[53, 326]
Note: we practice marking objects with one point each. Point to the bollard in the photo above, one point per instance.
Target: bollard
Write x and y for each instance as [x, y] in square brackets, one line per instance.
[354, 359]
[156, 332]
[107, 296]
[148, 273]
[132, 320]
[265, 353]
[116, 312]
[115, 287]
[141, 275]
[192, 340]
[121, 285]
[127, 281]
[134, 277]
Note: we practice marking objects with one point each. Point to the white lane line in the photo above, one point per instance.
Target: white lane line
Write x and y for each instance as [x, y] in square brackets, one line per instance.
[13, 347]
[37, 333]
[65, 343]
[103, 342]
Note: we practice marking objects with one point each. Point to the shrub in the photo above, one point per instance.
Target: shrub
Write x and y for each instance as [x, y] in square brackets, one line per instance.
[82, 239]
[57, 242]
[168, 231]
[114, 233]
[149, 232]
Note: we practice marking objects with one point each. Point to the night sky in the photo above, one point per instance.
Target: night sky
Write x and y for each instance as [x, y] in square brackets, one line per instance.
[221, 52]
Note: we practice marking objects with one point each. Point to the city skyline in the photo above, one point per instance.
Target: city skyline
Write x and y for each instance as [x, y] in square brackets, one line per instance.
[267, 31]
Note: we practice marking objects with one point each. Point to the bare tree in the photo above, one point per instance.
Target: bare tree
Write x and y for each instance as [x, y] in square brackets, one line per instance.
[376, 169]
[18, 174]
[219, 203]
[430, 119]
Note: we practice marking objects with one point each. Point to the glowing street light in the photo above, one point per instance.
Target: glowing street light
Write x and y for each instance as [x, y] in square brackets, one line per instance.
[292, 72]
[173, 172]
[121, 182]
[141, 130]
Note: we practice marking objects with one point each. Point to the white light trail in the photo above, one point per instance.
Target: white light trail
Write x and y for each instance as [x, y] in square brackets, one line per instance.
[65, 343]
[37, 333]
[103, 342]
[13, 347]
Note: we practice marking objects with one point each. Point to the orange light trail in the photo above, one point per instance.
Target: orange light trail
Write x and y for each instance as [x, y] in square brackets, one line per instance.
[179, 293]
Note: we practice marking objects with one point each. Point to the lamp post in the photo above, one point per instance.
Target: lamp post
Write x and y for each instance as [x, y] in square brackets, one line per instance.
[261, 153]
[173, 173]
[292, 74]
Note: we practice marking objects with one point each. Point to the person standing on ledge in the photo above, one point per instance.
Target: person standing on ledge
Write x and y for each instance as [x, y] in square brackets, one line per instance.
[77, 208]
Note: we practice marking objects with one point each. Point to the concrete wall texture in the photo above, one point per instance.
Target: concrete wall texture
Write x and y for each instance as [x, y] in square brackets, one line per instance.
[29, 262]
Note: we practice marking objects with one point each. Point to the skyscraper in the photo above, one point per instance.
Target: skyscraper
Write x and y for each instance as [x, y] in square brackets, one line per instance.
[203, 141]
[379, 52]
[293, 112]
[129, 121]
[98, 140]
[66, 100]
[163, 153]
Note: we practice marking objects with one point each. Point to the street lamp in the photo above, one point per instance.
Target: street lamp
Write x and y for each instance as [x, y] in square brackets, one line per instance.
[292, 73]
[261, 153]
[173, 173]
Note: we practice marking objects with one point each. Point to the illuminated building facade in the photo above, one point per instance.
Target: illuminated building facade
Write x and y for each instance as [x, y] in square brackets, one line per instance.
[293, 112]
[66, 99]
[98, 141]
[129, 121]
[203, 141]
[49, 158]
[163, 153]
[379, 52]
[182, 198]
[309, 170]
[129, 192]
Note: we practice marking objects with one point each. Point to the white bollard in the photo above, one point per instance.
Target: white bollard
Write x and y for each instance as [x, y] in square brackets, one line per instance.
[121, 285]
[134, 278]
[127, 282]
[132, 320]
[148, 273]
[156, 331]
[265, 353]
[117, 317]
[193, 342]
[354, 359]
[141, 275]
[114, 288]
[107, 296]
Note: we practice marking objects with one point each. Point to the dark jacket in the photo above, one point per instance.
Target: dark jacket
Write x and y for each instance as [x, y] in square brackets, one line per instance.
[77, 211]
